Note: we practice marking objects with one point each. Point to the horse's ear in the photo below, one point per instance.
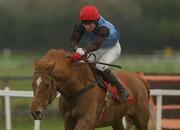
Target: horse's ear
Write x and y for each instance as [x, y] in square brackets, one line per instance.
[51, 66]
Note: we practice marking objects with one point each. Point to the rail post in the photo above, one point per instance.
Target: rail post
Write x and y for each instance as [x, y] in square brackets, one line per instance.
[36, 124]
[159, 112]
[7, 110]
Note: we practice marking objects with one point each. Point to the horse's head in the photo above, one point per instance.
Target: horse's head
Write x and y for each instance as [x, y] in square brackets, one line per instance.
[44, 89]
[56, 73]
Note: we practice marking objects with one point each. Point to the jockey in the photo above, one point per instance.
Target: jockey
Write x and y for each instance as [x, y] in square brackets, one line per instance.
[103, 42]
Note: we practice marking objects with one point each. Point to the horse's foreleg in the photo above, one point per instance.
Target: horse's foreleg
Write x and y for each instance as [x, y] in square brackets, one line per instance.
[141, 124]
[69, 124]
[84, 124]
[118, 128]
[118, 125]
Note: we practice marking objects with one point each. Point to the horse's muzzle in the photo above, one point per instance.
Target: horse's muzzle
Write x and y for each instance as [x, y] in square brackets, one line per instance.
[37, 115]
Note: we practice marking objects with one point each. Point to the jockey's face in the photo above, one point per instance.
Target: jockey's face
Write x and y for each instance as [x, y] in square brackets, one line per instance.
[89, 27]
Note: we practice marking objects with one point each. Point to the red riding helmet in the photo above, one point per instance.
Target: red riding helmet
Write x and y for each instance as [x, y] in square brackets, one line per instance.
[89, 13]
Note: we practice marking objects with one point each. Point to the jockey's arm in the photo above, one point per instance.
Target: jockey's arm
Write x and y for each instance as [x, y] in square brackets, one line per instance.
[103, 33]
[76, 35]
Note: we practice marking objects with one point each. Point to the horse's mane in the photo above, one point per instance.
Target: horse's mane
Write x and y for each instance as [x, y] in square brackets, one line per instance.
[52, 57]
[56, 55]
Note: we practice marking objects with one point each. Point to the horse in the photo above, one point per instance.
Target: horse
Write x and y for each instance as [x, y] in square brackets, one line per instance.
[83, 104]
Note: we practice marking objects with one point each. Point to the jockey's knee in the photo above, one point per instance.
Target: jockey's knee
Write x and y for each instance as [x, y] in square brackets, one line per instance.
[101, 67]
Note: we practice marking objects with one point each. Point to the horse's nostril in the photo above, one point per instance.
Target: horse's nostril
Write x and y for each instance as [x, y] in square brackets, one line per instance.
[37, 115]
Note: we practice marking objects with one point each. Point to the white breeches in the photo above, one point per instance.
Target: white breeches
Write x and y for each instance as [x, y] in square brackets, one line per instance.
[106, 55]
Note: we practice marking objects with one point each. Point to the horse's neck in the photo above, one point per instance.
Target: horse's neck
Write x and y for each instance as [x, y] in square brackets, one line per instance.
[78, 77]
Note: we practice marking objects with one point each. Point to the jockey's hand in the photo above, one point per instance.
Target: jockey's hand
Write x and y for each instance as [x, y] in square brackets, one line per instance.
[81, 51]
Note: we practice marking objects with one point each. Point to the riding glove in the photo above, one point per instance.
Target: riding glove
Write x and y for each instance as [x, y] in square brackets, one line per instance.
[81, 51]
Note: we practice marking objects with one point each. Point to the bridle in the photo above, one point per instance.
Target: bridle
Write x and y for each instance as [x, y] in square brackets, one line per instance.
[52, 84]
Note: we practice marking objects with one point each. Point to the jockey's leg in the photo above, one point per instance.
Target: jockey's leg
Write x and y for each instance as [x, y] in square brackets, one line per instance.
[111, 55]
[123, 94]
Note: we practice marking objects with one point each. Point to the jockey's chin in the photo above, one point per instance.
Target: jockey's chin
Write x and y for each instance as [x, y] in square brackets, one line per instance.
[89, 30]
[89, 27]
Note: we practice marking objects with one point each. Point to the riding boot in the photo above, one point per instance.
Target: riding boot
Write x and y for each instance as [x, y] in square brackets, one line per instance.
[123, 94]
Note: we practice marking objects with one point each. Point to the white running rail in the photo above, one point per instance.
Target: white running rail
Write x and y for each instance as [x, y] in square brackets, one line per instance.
[159, 93]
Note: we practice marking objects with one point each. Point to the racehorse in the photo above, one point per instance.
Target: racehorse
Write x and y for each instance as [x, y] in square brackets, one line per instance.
[83, 104]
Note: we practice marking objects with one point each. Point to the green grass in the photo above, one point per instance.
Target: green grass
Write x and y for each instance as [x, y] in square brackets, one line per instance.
[150, 64]
[18, 64]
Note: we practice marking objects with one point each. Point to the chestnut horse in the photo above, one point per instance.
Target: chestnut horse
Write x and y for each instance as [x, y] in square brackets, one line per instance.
[83, 104]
